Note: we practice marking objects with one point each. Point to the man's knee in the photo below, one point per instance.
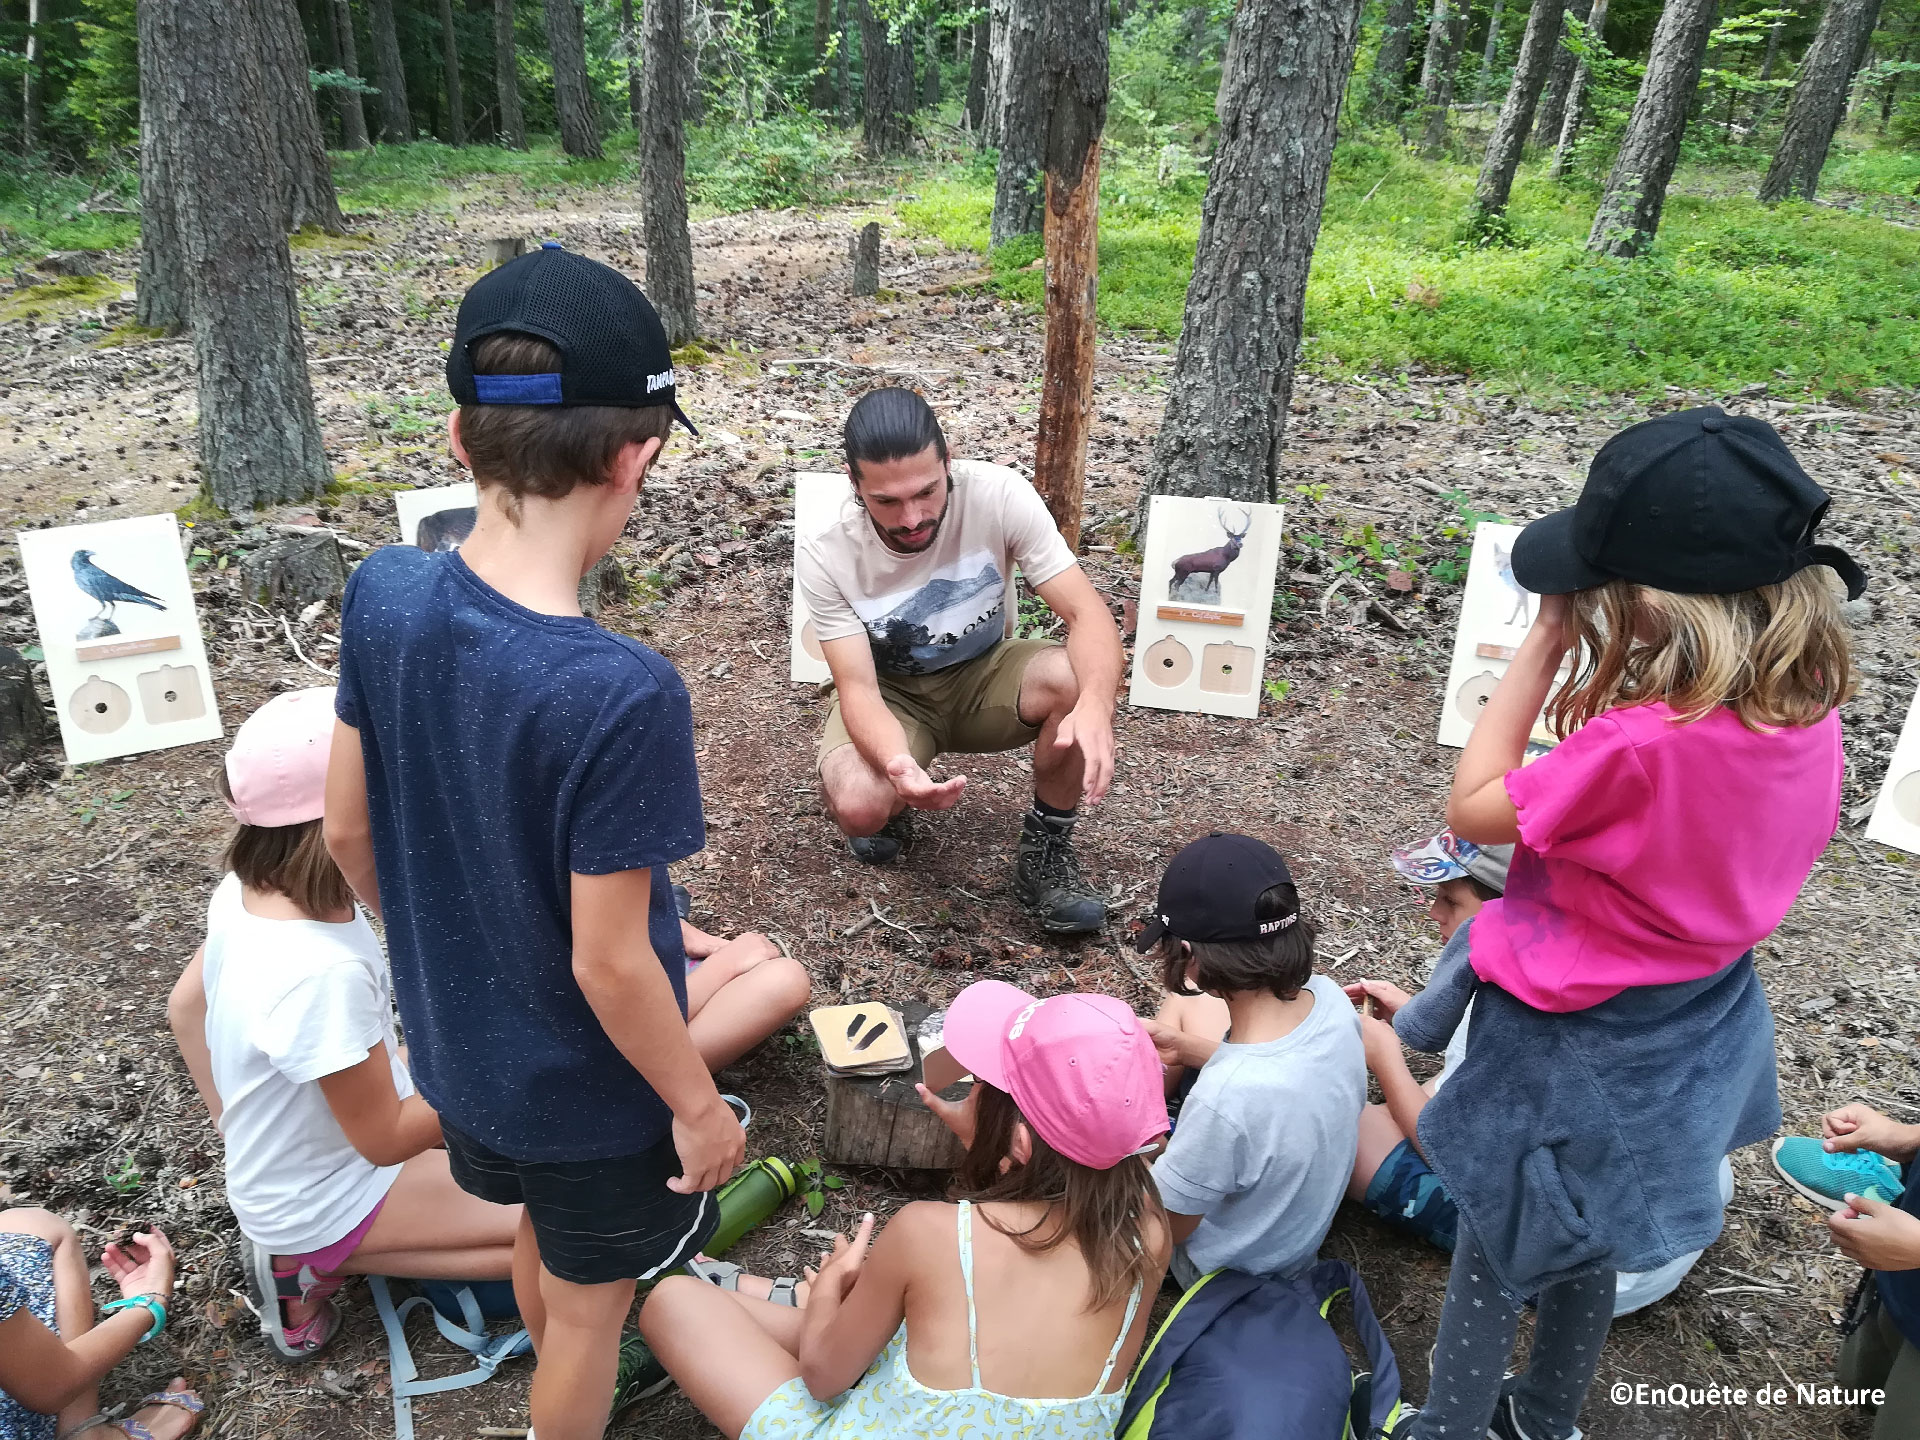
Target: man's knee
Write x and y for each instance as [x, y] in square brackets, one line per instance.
[1049, 686]
[858, 801]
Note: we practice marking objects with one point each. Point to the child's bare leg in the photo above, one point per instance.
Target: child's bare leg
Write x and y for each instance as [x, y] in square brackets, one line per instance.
[431, 1229]
[526, 1282]
[575, 1369]
[1202, 1015]
[740, 995]
[725, 1351]
[72, 1294]
[1378, 1136]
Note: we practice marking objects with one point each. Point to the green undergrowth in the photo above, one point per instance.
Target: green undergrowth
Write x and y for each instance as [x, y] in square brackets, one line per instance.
[423, 175]
[57, 297]
[42, 211]
[1804, 297]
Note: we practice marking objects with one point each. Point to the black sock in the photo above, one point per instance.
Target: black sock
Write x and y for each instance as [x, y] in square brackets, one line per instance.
[1042, 811]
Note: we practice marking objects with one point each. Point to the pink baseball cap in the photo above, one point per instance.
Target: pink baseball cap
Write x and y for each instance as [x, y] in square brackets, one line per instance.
[277, 768]
[1082, 1068]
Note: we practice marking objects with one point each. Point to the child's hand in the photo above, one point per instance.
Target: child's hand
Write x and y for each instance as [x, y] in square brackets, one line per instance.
[1386, 996]
[1166, 1041]
[956, 1115]
[710, 1145]
[1552, 628]
[148, 1271]
[840, 1267]
[1382, 1045]
[1874, 1234]
[1861, 1127]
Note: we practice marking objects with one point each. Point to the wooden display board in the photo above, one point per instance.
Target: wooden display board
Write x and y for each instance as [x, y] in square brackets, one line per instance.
[1206, 601]
[1896, 813]
[1495, 615]
[125, 658]
[440, 518]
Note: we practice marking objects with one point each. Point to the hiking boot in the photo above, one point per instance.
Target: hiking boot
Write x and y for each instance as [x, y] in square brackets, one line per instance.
[639, 1376]
[1047, 879]
[682, 901]
[1827, 1179]
[885, 847]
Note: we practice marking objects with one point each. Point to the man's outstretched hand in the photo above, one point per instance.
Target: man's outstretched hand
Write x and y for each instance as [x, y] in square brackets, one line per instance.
[919, 789]
[1091, 729]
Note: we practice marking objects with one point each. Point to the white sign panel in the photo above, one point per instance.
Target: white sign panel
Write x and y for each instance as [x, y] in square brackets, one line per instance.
[125, 658]
[437, 519]
[1896, 814]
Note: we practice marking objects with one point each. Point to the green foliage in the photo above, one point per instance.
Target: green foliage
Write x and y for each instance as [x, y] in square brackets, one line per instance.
[407, 417]
[424, 174]
[814, 1184]
[788, 161]
[42, 208]
[104, 93]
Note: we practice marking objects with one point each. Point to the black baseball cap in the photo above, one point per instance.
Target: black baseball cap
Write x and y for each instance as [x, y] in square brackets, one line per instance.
[1211, 889]
[1698, 502]
[613, 349]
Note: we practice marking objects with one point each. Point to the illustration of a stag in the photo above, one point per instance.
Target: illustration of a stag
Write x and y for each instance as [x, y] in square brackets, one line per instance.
[1197, 576]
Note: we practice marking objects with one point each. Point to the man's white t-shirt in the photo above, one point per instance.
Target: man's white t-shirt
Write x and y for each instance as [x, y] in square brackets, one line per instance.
[289, 1001]
[940, 606]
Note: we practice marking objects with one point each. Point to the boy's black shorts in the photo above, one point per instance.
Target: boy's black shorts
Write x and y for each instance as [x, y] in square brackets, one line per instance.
[596, 1221]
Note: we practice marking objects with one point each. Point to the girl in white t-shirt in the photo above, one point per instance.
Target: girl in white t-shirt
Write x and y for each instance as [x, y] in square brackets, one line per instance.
[285, 1020]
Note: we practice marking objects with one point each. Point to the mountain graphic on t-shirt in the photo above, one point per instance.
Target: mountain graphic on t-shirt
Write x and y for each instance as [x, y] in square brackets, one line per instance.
[904, 640]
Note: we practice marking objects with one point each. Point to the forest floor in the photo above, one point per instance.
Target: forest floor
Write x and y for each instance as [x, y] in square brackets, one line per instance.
[109, 867]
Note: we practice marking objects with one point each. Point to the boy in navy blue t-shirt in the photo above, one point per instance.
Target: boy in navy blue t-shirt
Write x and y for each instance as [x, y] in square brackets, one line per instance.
[508, 784]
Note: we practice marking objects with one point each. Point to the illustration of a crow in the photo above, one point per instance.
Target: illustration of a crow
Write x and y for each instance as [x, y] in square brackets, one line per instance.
[109, 590]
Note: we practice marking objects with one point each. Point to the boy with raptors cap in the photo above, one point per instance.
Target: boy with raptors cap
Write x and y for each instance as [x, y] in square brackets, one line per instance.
[508, 783]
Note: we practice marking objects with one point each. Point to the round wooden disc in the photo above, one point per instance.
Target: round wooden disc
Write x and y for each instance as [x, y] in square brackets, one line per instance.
[810, 641]
[1906, 798]
[1472, 697]
[99, 707]
[1169, 663]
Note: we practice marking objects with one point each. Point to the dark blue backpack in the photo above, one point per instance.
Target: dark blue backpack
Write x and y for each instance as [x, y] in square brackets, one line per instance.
[1242, 1357]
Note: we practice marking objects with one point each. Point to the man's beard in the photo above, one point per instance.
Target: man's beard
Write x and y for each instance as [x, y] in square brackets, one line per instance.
[891, 534]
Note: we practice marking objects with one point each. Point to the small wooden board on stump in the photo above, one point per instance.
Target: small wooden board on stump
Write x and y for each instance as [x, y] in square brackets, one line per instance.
[880, 1120]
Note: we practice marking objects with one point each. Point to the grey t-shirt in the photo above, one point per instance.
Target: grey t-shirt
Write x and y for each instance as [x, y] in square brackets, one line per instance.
[1265, 1143]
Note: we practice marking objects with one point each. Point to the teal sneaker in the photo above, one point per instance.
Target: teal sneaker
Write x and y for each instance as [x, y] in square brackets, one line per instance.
[1827, 1178]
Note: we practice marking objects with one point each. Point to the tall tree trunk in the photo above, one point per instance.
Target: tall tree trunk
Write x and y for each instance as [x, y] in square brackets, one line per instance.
[259, 441]
[353, 115]
[567, 47]
[506, 77]
[636, 86]
[1436, 77]
[885, 103]
[1280, 88]
[999, 28]
[822, 62]
[1576, 95]
[929, 65]
[978, 64]
[1629, 213]
[1764, 102]
[1019, 194]
[1819, 99]
[1553, 99]
[160, 293]
[1484, 83]
[302, 172]
[450, 60]
[1073, 111]
[389, 73]
[1388, 89]
[663, 172]
[843, 25]
[30, 80]
[1530, 67]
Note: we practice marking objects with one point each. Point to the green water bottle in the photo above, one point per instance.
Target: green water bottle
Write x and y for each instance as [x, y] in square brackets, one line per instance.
[749, 1198]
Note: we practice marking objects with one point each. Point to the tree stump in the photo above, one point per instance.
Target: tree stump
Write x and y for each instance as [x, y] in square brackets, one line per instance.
[502, 248]
[866, 259]
[23, 724]
[879, 1120]
[291, 574]
[605, 584]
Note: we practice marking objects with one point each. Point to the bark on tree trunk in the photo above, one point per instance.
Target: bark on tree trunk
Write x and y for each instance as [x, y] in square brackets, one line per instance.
[353, 115]
[567, 46]
[1576, 95]
[396, 120]
[978, 64]
[506, 76]
[1819, 99]
[864, 253]
[1280, 88]
[302, 174]
[630, 43]
[843, 24]
[1484, 83]
[1073, 81]
[1019, 191]
[1629, 213]
[30, 82]
[450, 58]
[663, 172]
[999, 26]
[886, 101]
[1436, 77]
[160, 292]
[1530, 67]
[822, 61]
[1553, 99]
[929, 66]
[259, 441]
[1764, 103]
[1388, 91]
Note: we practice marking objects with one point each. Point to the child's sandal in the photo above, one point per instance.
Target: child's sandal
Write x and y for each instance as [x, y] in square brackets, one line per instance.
[725, 1275]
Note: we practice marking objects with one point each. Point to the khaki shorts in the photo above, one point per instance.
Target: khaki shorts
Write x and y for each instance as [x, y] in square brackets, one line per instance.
[973, 708]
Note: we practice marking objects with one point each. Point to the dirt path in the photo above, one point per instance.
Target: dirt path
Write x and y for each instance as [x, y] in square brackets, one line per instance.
[109, 868]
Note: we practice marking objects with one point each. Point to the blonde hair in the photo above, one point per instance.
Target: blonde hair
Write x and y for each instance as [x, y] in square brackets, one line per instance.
[1777, 655]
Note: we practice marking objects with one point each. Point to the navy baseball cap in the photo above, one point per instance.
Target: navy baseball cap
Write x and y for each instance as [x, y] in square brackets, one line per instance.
[1697, 502]
[613, 349]
[1212, 889]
